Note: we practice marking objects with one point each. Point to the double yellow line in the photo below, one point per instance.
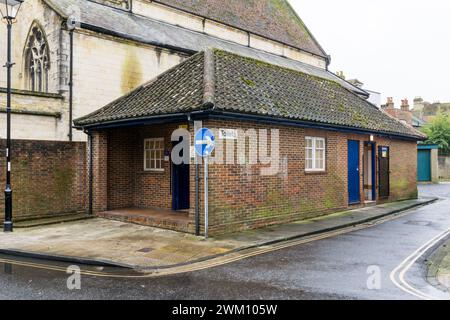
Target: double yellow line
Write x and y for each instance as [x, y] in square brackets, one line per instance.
[219, 261]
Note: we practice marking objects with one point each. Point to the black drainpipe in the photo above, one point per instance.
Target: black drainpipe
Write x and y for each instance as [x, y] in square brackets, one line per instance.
[71, 86]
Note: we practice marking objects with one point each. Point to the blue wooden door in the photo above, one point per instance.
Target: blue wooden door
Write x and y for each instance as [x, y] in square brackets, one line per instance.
[353, 172]
[180, 185]
[424, 165]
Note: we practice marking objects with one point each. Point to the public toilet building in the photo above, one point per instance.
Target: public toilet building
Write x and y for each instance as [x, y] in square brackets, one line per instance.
[335, 150]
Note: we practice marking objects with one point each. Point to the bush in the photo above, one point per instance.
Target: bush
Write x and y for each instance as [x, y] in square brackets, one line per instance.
[438, 132]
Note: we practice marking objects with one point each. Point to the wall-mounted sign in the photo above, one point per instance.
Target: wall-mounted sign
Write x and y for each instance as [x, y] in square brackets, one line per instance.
[384, 152]
[183, 126]
[228, 134]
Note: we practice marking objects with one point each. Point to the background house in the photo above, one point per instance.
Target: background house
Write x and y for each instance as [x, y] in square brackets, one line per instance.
[428, 169]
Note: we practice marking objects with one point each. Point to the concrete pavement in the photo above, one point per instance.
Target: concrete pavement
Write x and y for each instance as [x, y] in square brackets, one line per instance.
[112, 243]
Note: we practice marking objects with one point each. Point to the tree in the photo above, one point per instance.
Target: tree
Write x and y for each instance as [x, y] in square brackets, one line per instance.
[438, 131]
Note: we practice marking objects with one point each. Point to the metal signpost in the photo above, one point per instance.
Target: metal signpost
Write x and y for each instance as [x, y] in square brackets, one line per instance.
[204, 144]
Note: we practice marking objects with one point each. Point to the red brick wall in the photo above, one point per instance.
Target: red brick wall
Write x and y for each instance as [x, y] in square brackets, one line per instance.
[100, 171]
[48, 178]
[240, 197]
[126, 182]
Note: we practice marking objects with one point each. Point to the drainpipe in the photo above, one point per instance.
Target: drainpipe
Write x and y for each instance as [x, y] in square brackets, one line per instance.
[71, 86]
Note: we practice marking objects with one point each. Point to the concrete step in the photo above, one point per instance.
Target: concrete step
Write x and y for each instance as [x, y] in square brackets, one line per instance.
[51, 220]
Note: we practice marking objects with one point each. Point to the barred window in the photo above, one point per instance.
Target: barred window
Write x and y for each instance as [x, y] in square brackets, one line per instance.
[154, 154]
[315, 154]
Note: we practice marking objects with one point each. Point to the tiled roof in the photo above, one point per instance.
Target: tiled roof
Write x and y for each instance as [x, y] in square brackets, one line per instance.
[122, 24]
[273, 19]
[226, 82]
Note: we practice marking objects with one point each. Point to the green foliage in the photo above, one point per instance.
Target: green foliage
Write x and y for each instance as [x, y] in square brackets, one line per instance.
[438, 131]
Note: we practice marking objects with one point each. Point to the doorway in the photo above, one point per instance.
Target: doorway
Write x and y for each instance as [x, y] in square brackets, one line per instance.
[383, 172]
[180, 184]
[369, 172]
[424, 165]
[353, 172]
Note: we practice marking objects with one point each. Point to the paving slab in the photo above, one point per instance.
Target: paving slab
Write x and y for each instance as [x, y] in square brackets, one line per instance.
[107, 242]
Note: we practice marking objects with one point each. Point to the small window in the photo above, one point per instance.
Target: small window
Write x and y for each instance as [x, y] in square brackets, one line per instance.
[154, 154]
[315, 154]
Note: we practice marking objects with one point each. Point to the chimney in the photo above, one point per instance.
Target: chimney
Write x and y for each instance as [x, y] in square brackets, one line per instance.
[389, 104]
[405, 105]
[340, 74]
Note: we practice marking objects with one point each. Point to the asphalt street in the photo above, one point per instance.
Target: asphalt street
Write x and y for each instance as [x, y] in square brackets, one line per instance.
[356, 265]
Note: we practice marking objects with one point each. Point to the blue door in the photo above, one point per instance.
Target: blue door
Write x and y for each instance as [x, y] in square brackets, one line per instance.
[180, 185]
[424, 165]
[353, 172]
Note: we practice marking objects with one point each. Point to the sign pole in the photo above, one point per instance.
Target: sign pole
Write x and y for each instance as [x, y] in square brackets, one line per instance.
[204, 146]
[206, 198]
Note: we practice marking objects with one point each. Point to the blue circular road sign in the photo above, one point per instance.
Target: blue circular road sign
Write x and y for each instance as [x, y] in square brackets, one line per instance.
[204, 142]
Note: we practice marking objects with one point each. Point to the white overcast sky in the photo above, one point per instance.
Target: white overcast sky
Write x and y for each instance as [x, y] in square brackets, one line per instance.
[400, 48]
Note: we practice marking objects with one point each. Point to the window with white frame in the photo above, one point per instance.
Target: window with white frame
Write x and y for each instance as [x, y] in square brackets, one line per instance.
[154, 154]
[315, 154]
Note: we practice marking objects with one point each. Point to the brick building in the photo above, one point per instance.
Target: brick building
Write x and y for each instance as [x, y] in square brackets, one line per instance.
[117, 45]
[335, 149]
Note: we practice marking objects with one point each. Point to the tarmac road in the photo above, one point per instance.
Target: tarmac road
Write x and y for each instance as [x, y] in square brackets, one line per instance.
[335, 268]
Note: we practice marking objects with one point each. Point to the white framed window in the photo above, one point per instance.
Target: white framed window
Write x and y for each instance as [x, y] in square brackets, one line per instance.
[315, 154]
[154, 154]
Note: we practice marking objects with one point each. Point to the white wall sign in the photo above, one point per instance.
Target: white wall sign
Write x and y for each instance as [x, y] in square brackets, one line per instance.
[228, 134]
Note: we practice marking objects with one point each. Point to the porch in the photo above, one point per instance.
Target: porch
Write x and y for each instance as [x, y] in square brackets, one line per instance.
[135, 180]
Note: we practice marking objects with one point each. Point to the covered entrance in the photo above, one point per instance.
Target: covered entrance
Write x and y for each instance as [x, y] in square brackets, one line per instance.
[142, 185]
[369, 169]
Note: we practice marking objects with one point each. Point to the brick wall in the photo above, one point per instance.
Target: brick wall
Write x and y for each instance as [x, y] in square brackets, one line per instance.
[119, 176]
[240, 197]
[48, 178]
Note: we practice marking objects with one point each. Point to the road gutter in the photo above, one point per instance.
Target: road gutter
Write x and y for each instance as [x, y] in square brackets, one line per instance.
[241, 252]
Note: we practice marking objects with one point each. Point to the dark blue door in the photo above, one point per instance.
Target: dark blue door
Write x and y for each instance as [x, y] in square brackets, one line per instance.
[180, 186]
[353, 172]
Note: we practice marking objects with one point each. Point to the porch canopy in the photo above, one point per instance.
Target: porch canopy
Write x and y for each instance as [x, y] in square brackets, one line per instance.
[219, 84]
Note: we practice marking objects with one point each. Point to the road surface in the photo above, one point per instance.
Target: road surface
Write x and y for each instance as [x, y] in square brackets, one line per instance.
[356, 265]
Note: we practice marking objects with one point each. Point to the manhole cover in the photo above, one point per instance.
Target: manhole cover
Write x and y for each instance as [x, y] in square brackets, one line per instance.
[418, 223]
[145, 250]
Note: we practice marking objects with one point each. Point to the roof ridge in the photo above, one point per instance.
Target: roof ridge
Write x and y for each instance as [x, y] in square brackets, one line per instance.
[209, 81]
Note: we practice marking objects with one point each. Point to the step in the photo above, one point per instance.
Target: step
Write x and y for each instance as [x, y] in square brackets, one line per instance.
[51, 220]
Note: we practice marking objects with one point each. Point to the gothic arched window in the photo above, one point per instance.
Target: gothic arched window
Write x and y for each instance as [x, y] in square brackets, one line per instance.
[37, 62]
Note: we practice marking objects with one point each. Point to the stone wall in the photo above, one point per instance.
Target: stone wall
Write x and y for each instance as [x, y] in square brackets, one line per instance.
[48, 178]
[444, 167]
[105, 67]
